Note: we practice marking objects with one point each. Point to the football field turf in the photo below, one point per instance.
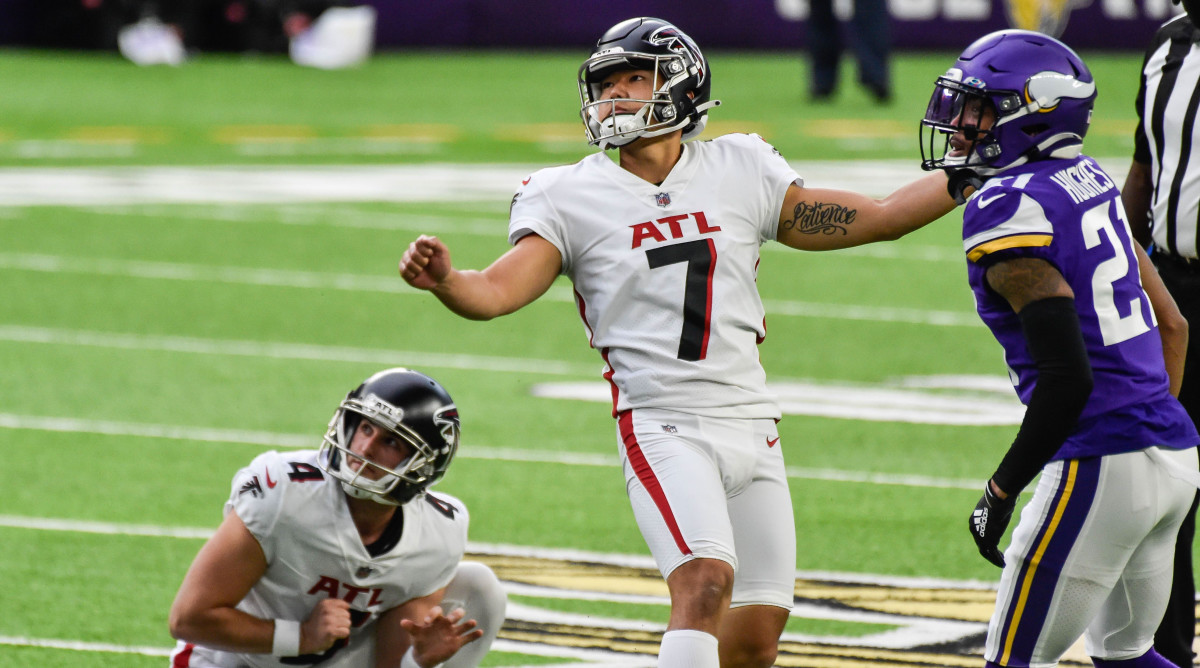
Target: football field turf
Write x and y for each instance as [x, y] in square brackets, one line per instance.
[197, 263]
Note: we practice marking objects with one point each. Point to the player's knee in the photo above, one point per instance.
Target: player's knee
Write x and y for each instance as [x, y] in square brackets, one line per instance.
[476, 588]
[702, 584]
[750, 640]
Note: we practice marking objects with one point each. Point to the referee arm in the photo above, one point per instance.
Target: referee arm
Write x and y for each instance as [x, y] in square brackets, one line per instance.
[1136, 196]
[1172, 326]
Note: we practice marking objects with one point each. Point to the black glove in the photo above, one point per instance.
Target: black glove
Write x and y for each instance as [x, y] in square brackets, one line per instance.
[960, 180]
[988, 522]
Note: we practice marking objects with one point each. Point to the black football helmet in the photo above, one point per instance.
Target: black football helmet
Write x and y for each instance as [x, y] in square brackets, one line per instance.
[682, 83]
[414, 408]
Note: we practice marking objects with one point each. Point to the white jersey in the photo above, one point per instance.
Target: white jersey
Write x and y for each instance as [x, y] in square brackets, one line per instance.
[665, 274]
[300, 517]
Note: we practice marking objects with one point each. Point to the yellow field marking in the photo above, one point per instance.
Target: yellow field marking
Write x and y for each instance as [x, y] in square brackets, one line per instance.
[968, 605]
[413, 132]
[716, 128]
[1111, 127]
[117, 134]
[242, 134]
[541, 132]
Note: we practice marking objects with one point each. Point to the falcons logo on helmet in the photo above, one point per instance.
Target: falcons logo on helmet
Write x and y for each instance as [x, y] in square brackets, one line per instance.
[678, 42]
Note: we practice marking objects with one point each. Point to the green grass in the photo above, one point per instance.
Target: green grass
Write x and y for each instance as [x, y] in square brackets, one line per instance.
[130, 314]
[494, 106]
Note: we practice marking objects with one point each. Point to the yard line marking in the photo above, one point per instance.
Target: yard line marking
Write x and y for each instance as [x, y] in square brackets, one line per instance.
[162, 431]
[499, 645]
[282, 440]
[103, 528]
[394, 285]
[445, 182]
[297, 351]
[859, 401]
[81, 186]
[179, 271]
[778, 307]
[79, 646]
[343, 217]
[492, 549]
[321, 215]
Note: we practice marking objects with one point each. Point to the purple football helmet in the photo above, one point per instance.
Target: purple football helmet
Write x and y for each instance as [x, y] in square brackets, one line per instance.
[1037, 90]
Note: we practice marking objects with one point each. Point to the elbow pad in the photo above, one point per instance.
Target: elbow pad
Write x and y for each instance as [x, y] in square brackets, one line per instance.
[1064, 384]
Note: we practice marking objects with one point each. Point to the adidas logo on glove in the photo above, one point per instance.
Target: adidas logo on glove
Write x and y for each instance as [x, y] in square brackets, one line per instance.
[979, 518]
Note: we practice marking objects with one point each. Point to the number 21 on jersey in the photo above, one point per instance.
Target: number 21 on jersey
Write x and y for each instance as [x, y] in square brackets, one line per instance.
[1115, 328]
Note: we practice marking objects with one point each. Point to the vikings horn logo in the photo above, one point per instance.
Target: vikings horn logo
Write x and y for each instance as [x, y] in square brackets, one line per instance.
[1046, 16]
[677, 42]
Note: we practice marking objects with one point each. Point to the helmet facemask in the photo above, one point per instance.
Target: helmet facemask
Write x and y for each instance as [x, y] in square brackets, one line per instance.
[945, 118]
[425, 465]
[668, 109]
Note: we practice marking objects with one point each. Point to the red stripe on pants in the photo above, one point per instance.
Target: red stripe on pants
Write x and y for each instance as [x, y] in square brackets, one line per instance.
[645, 474]
[184, 658]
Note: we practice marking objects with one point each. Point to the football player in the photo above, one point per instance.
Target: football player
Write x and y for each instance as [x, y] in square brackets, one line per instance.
[342, 556]
[1084, 321]
[662, 246]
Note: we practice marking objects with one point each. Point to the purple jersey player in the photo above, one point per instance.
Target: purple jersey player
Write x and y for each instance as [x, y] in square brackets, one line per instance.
[1094, 347]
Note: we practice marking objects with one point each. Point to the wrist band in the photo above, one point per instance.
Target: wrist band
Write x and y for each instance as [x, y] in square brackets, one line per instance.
[409, 661]
[287, 638]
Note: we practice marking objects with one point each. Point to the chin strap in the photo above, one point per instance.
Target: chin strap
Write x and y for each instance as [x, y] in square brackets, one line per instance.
[959, 181]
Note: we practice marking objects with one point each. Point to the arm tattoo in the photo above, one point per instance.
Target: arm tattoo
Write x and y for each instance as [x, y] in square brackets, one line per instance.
[820, 218]
[1024, 280]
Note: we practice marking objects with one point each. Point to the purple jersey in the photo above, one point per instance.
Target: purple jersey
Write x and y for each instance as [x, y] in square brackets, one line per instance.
[1069, 213]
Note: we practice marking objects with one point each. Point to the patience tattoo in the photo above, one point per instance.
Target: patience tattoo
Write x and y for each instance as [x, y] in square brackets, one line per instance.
[821, 218]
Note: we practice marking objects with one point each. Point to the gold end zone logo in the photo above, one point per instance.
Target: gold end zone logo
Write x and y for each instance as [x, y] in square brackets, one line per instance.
[926, 623]
[1046, 16]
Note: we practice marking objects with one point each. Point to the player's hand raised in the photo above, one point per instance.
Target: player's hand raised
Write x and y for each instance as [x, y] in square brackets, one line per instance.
[988, 522]
[426, 263]
[328, 622]
[439, 636]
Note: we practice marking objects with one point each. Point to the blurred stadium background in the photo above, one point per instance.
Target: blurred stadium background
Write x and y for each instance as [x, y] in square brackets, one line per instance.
[196, 262]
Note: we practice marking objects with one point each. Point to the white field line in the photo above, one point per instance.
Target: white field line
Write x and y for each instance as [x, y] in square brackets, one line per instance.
[84, 186]
[282, 440]
[343, 216]
[591, 658]
[494, 549]
[295, 351]
[179, 271]
[70, 186]
[315, 215]
[79, 646]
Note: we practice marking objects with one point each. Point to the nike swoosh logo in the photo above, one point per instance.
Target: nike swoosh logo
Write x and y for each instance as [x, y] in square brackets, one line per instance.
[772, 441]
[526, 181]
[984, 201]
[270, 483]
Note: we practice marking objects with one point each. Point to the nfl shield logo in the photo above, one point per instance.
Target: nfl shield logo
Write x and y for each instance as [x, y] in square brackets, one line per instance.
[662, 199]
